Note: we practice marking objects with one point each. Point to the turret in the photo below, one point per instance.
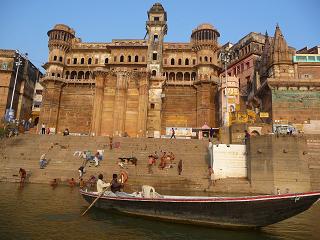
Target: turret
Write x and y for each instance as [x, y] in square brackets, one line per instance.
[60, 38]
[156, 27]
[204, 41]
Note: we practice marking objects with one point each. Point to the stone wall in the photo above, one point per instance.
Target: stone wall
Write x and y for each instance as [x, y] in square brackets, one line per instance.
[75, 110]
[295, 105]
[279, 163]
[179, 107]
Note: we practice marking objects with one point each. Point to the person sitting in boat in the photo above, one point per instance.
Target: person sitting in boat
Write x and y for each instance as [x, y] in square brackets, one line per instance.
[101, 185]
[115, 184]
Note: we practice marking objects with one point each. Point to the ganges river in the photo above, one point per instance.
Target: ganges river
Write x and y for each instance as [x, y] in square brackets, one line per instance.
[39, 212]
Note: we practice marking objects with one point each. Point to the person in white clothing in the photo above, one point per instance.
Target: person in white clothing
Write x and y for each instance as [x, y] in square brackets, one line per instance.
[101, 185]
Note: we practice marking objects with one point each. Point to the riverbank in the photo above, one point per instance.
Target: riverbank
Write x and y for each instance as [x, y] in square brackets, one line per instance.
[288, 163]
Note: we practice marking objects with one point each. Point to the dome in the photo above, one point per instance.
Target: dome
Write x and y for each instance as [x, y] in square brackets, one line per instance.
[205, 26]
[64, 27]
[157, 8]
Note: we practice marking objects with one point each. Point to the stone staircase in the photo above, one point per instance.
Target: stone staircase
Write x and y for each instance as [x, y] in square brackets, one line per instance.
[25, 150]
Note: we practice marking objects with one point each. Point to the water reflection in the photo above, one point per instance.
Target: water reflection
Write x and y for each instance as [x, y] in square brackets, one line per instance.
[40, 212]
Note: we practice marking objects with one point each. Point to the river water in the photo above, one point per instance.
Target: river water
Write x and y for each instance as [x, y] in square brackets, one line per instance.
[37, 211]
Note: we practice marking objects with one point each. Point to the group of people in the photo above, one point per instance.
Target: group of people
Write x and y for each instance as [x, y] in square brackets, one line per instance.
[115, 185]
[166, 161]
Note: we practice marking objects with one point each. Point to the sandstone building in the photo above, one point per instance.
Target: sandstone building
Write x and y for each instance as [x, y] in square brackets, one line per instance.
[131, 86]
[143, 87]
[27, 77]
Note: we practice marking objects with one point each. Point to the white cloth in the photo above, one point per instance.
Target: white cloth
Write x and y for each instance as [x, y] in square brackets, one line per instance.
[101, 185]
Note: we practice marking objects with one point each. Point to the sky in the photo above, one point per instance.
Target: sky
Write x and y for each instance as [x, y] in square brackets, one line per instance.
[24, 24]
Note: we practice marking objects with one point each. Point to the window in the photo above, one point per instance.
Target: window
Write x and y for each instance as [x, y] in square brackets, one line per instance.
[114, 58]
[68, 61]
[179, 61]
[165, 61]
[194, 62]
[143, 59]
[74, 61]
[172, 61]
[39, 92]
[55, 58]
[200, 59]
[210, 59]
[52, 74]
[136, 58]
[242, 67]
[156, 18]
[206, 59]
[96, 61]
[58, 75]
[129, 58]
[186, 62]
[60, 59]
[154, 73]
[82, 61]
[247, 65]
[89, 60]
[154, 56]
[155, 38]
[121, 58]
[106, 60]
[152, 105]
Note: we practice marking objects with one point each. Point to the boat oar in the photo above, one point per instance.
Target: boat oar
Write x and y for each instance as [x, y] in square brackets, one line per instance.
[94, 201]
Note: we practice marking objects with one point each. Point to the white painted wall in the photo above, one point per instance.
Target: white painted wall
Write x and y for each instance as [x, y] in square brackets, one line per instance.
[229, 160]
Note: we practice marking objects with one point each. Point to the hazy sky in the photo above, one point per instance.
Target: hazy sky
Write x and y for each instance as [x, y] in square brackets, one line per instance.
[24, 23]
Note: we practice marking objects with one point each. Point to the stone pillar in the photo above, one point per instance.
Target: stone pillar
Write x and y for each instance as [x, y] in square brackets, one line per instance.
[143, 105]
[98, 103]
[49, 113]
[120, 103]
[205, 104]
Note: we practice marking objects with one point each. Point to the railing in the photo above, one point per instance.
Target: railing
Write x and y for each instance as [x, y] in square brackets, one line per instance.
[307, 58]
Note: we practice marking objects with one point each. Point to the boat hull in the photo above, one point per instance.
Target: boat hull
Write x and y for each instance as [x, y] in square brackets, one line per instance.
[248, 212]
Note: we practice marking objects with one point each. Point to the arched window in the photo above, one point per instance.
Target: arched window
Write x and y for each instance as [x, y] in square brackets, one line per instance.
[75, 61]
[67, 74]
[187, 76]
[106, 60]
[68, 61]
[55, 58]
[186, 62]
[58, 75]
[136, 58]
[143, 59]
[179, 61]
[210, 59]
[172, 61]
[73, 75]
[80, 75]
[193, 76]
[154, 73]
[200, 59]
[194, 62]
[82, 61]
[129, 58]
[87, 75]
[52, 74]
[60, 59]
[121, 58]
[206, 59]
[89, 60]
[96, 61]
[179, 76]
[172, 76]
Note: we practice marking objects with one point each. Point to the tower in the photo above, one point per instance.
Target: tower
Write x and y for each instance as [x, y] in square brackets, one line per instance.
[156, 27]
[280, 65]
[60, 38]
[204, 41]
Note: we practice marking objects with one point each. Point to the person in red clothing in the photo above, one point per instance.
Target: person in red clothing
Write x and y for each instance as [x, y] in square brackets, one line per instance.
[23, 175]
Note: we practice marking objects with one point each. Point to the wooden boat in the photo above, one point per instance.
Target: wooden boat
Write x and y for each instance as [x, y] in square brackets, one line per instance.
[232, 212]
